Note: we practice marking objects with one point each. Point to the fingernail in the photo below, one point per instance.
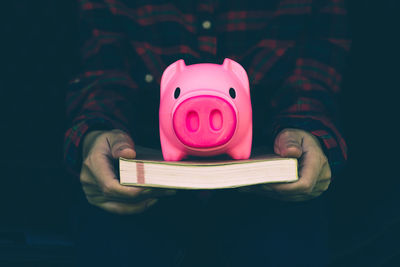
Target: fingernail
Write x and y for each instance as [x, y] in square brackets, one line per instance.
[244, 189]
[147, 190]
[267, 188]
[151, 202]
[170, 192]
[124, 147]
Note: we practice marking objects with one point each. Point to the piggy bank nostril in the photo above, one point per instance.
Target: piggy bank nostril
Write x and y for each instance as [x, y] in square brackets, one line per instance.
[215, 119]
[192, 121]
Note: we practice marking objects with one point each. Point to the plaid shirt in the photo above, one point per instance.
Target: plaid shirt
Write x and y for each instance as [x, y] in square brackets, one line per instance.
[294, 52]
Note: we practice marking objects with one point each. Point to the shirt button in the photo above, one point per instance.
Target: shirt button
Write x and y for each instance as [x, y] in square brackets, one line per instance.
[148, 78]
[206, 24]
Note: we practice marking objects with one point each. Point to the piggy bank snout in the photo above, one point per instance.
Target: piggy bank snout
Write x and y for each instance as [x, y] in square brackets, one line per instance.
[204, 121]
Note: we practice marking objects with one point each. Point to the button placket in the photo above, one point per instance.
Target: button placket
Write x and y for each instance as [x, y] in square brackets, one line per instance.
[206, 24]
[206, 37]
[148, 78]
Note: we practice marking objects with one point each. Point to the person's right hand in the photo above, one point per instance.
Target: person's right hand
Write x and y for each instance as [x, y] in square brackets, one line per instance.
[98, 178]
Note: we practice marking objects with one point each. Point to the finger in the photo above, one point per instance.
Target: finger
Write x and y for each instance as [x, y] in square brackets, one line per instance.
[298, 198]
[141, 193]
[318, 190]
[156, 192]
[288, 144]
[121, 145]
[95, 195]
[86, 177]
[295, 197]
[326, 173]
[141, 197]
[93, 189]
[125, 209]
[103, 172]
[310, 168]
[322, 185]
[277, 196]
[324, 179]
[246, 189]
[309, 173]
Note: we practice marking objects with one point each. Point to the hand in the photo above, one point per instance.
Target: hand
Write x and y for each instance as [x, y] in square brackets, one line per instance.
[315, 173]
[98, 179]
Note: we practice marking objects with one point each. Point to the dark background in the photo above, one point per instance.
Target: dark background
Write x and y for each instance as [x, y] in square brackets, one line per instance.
[40, 55]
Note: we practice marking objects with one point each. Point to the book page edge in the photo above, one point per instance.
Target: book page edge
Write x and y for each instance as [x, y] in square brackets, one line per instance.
[205, 187]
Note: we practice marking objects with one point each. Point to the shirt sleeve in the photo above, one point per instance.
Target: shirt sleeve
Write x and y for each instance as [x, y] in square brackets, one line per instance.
[98, 97]
[308, 98]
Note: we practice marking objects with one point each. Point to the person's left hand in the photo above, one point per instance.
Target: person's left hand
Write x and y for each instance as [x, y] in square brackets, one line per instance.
[314, 170]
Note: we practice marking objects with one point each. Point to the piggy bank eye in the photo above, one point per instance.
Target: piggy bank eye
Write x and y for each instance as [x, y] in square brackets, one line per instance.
[232, 92]
[177, 92]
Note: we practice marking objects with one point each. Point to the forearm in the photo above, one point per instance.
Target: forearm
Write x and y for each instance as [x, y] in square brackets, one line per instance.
[100, 97]
[97, 108]
[307, 99]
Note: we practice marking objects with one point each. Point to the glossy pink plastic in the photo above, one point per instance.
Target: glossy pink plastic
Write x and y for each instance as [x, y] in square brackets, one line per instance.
[205, 110]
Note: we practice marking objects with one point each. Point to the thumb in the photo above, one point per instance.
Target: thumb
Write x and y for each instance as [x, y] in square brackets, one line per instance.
[122, 146]
[289, 144]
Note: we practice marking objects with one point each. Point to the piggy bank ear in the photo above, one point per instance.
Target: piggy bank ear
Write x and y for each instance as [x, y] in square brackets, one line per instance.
[239, 72]
[170, 72]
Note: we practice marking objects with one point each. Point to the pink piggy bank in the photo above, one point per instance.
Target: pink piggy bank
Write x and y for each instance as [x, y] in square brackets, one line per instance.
[205, 110]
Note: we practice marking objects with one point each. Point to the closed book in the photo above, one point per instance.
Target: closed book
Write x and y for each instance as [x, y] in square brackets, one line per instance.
[150, 170]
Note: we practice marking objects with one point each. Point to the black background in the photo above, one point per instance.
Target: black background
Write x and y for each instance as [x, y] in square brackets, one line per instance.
[40, 54]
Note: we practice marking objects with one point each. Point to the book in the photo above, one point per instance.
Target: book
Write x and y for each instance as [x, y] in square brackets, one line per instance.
[150, 170]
